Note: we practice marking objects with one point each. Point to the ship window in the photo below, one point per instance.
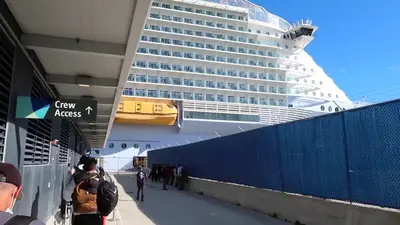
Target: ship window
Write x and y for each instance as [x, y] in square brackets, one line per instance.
[305, 80]
[286, 46]
[337, 96]
[258, 31]
[320, 83]
[329, 95]
[330, 108]
[249, 30]
[295, 58]
[322, 108]
[314, 93]
[136, 145]
[123, 145]
[148, 146]
[267, 33]
[336, 109]
[304, 69]
[312, 70]
[313, 81]
[111, 145]
[322, 94]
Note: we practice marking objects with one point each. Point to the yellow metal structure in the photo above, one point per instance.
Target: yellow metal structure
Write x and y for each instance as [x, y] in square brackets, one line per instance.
[135, 110]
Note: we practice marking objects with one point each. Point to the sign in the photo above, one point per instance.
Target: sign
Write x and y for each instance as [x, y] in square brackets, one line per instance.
[34, 108]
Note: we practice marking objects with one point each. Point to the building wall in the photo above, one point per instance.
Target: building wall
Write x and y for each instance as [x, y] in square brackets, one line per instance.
[42, 184]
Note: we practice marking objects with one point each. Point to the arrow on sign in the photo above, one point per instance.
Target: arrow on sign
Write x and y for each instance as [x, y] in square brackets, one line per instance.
[89, 109]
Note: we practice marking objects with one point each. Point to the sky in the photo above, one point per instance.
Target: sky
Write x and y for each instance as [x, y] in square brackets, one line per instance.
[357, 42]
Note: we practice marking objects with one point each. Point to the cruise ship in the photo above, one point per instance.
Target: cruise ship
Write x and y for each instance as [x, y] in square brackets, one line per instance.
[209, 68]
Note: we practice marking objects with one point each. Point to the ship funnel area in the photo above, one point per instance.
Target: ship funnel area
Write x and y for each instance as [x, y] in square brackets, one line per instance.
[302, 33]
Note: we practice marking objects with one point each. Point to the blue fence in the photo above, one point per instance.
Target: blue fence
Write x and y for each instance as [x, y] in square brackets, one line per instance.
[352, 156]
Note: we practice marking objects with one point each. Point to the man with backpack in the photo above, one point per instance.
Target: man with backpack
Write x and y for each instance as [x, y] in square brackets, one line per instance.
[93, 198]
[10, 192]
[140, 179]
[84, 196]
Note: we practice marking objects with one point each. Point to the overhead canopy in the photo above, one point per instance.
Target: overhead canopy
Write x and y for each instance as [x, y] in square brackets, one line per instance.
[85, 49]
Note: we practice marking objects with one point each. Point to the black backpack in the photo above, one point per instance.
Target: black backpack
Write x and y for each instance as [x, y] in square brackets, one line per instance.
[107, 197]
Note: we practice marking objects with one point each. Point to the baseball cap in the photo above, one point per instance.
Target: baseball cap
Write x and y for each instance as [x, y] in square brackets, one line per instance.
[10, 174]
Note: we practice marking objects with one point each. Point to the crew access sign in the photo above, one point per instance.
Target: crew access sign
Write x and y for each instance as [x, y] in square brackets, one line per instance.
[74, 109]
[34, 108]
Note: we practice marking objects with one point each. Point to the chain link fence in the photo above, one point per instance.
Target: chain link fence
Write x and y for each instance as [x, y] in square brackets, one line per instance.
[352, 156]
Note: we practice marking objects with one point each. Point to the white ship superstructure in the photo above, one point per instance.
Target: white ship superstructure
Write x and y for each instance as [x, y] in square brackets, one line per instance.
[229, 66]
[230, 54]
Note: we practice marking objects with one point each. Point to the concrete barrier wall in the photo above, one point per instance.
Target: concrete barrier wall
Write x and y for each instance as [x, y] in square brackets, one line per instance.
[291, 207]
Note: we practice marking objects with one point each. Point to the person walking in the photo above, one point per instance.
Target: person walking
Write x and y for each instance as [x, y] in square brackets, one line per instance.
[140, 179]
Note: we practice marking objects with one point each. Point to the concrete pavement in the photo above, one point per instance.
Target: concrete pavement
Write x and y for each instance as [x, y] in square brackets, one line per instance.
[174, 207]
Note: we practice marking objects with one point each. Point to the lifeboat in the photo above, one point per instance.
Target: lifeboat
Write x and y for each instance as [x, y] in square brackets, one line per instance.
[133, 110]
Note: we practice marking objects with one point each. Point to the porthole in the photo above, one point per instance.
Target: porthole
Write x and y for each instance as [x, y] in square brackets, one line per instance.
[276, 35]
[330, 108]
[249, 30]
[329, 95]
[286, 46]
[123, 145]
[258, 31]
[336, 109]
[111, 145]
[136, 145]
[148, 146]
[267, 33]
[304, 69]
[322, 108]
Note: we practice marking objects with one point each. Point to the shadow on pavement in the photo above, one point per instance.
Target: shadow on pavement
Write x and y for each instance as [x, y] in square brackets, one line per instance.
[173, 207]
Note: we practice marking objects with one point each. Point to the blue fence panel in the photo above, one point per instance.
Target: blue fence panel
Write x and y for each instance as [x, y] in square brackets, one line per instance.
[373, 142]
[268, 159]
[298, 165]
[329, 140]
[352, 156]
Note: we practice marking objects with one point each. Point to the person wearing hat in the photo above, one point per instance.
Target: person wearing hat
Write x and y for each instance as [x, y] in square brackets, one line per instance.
[10, 192]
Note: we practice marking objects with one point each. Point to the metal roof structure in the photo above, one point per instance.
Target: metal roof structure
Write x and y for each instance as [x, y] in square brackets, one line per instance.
[82, 49]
